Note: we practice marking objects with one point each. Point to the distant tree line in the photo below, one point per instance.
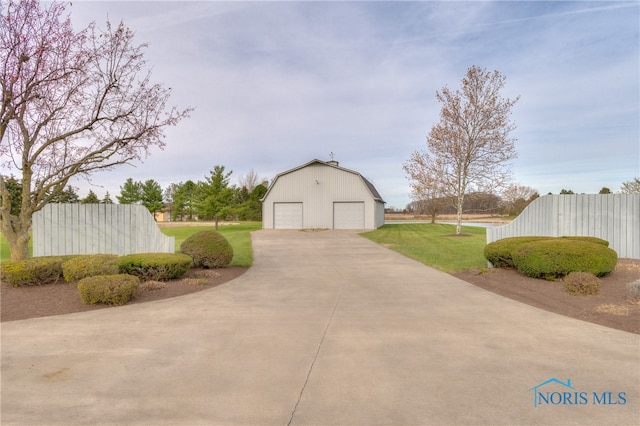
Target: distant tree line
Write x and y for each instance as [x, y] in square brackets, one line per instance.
[210, 199]
[214, 198]
[512, 201]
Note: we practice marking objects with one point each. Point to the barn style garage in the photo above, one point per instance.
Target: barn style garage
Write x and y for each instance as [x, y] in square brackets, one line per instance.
[322, 195]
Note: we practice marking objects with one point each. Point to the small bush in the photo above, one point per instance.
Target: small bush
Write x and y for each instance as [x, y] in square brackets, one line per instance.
[582, 283]
[89, 265]
[34, 271]
[209, 249]
[555, 258]
[634, 290]
[108, 289]
[155, 266]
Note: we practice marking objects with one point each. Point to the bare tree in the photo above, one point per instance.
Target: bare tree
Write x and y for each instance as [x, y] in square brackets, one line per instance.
[631, 187]
[517, 197]
[425, 188]
[249, 181]
[72, 103]
[469, 148]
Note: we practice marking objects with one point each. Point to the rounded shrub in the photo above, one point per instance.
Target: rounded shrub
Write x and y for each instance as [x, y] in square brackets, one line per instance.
[554, 258]
[209, 249]
[582, 283]
[499, 252]
[155, 266]
[89, 265]
[115, 289]
[34, 271]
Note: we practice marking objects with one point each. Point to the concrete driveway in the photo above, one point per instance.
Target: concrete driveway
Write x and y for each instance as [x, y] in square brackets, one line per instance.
[326, 328]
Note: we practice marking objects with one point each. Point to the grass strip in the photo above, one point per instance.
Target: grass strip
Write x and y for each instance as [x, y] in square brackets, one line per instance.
[434, 244]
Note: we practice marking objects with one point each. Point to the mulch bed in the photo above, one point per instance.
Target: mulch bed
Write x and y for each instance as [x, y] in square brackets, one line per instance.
[62, 297]
[612, 307]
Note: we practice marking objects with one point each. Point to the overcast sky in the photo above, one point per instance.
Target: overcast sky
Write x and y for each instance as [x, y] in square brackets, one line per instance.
[278, 84]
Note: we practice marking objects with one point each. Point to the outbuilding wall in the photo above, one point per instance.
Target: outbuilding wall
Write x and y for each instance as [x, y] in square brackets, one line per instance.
[317, 186]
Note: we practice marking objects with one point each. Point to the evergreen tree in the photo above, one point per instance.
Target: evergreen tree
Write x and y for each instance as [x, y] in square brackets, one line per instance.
[107, 199]
[69, 195]
[250, 207]
[216, 195]
[130, 192]
[185, 196]
[92, 198]
[151, 196]
[254, 205]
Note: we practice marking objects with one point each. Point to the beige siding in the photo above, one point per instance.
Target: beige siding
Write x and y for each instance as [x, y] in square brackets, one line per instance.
[379, 214]
[60, 229]
[612, 217]
[317, 186]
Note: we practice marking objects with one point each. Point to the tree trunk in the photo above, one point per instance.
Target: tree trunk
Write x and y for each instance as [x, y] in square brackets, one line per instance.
[20, 248]
[16, 228]
[459, 214]
[18, 240]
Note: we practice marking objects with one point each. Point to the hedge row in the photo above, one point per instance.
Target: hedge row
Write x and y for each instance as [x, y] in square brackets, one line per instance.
[49, 269]
[208, 249]
[552, 258]
[110, 279]
[34, 271]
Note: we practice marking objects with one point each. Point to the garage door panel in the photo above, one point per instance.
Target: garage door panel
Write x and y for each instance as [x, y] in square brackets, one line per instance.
[348, 215]
[287, 215]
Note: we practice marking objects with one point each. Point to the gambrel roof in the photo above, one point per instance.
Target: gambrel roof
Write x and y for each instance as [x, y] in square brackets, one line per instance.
[372, 189]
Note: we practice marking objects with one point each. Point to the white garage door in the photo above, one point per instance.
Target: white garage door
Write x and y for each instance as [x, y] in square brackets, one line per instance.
[287, 215]
[348, 215]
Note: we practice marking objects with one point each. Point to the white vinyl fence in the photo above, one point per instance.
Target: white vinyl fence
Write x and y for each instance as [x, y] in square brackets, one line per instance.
[60, 229]
[612, 217]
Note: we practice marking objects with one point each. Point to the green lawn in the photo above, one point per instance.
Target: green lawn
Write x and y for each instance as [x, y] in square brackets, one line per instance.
[4, 248]
[434, 245]
[237, 235]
